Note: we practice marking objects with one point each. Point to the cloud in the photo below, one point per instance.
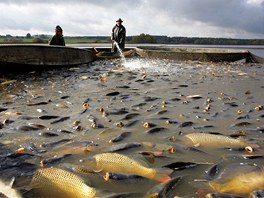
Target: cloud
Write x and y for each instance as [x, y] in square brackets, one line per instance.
[203, 18]
[255, 2]
[230, 14]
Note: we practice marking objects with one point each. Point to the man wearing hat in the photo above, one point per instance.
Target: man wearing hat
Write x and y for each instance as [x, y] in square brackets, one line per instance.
[118, 35]
[57, 39]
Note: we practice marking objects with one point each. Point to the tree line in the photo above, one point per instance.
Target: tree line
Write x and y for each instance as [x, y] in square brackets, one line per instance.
[142, 38]
[146, 38]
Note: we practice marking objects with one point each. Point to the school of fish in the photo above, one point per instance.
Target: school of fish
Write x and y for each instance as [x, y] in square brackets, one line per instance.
[146, 128]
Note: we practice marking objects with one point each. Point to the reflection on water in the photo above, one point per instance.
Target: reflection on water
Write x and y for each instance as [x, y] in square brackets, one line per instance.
[150, 104]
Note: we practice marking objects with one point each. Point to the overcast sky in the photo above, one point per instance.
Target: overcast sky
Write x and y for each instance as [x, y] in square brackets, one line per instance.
[190, 18]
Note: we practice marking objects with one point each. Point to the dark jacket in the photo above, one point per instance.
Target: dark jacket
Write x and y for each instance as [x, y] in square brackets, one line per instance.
[57, 40]
[119, 35]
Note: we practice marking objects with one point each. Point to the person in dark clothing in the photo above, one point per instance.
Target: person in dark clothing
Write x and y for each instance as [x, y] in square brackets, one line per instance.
[118, 35]
[57, 39]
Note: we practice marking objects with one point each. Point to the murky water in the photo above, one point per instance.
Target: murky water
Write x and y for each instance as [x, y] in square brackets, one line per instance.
[121, 98]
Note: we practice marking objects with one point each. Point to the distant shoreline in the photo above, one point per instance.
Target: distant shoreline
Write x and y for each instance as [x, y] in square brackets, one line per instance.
[140, 39]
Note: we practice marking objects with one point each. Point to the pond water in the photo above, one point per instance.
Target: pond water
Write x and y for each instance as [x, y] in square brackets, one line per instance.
[99, 101]
[255, 49]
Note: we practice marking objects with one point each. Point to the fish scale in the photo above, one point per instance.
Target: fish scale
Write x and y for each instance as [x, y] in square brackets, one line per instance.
[242, 184]
[54, 181]
[212, 140]
[114, 162]
[117, 161]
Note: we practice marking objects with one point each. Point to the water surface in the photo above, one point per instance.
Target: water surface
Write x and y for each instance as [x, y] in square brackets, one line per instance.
[155, 92]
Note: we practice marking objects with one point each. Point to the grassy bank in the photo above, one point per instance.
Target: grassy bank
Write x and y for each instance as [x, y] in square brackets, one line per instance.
[69, 40]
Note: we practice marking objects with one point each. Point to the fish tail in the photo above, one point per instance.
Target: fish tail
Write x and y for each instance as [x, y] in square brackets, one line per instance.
[215, 186]
[162, 174]
[255, 146]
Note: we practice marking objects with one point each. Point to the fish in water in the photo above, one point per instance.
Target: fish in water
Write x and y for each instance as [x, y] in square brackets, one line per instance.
[181, 165]
[39, 103]
[125, 195]
[241, 124]
[54, 182]
[222, 195]
[156, 130]
[53, 160]
[3, 109]
[186, 124]
[120, 176]
[47, 117]
[75, 147]
[115, 93]
[60, 120]
[130, 116]
[118, 163]
[120, 137]
[257, 194]
[241, 184]
[8, 191]
[53, 144]
[124, 146]
[160, 147]
[168, 189]
[26, 128]
[212, 140]
[118, 111]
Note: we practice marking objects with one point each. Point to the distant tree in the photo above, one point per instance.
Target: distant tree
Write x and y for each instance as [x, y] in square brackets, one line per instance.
[28, 36]
[42, 36]
[144, 38]
[39, 40]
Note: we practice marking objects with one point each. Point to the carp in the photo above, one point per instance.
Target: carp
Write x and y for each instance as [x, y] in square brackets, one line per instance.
[54, 182]
[241, 184]
[257, 194]
[212, 140]
[120, 137]
[222, 195]
[118, 163]
[168, 189]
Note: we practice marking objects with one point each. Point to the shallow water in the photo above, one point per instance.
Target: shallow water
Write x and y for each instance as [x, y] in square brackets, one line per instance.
[154, 91]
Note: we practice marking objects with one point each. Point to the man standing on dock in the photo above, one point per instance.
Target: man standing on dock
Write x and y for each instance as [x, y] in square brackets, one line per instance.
[118, 35]
[57, 39]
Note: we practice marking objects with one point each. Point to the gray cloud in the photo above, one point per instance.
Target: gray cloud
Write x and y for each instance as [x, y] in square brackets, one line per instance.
[225, 13]
[208, 18]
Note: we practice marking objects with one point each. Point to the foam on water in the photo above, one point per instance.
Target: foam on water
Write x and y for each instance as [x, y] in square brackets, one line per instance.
[159, 66]
[156, 66]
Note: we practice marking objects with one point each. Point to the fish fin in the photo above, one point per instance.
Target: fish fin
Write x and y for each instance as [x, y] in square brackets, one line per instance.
[28, 188]
[162, 174]
[150, 158]
[215, 186]
[12, 182]
[97, 170]
[83, 170]
[151, 153]
[254, 146]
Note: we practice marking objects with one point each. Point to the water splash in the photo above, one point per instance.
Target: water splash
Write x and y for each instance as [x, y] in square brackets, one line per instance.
[120, 52]
[154, 66]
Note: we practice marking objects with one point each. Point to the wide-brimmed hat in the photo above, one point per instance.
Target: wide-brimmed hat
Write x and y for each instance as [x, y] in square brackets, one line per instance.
[119, 20]
[58, 28]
